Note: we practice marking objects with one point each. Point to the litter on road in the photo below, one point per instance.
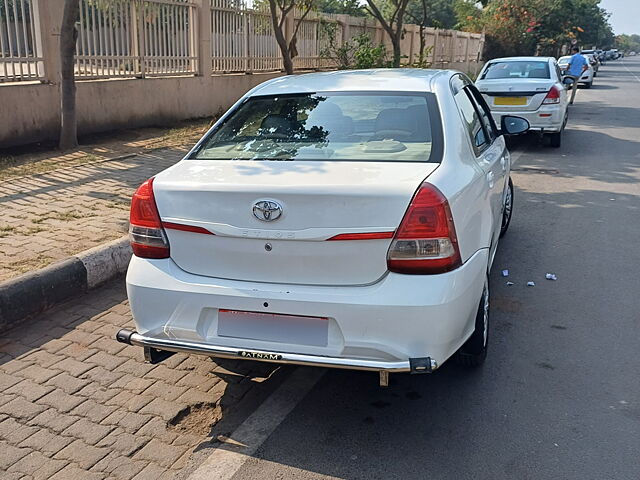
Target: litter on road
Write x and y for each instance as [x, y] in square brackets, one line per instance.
[531, 284]
[505, 273]
[509, 284]
[551, 276]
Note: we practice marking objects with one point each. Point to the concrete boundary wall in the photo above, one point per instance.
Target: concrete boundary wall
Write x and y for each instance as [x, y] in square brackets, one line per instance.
[29, 112]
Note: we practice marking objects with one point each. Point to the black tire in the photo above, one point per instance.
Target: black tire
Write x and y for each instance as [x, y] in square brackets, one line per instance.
[474, 350]
[507, 211]
[555, 139]
[588, 85]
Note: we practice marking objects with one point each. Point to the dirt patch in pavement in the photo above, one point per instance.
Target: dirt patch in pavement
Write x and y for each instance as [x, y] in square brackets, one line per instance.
[197, 419]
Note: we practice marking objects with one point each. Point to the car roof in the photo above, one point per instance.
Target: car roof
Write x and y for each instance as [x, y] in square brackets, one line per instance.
[375, 80]
[521, 59]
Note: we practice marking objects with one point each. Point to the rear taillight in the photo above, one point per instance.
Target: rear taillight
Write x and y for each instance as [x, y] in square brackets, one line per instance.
[148, 239]
[425, 242]
[553, 96]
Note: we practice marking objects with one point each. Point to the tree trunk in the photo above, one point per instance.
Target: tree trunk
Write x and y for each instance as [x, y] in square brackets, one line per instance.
[397, 50]
[68, 35]
[423, 43]
[287, 63]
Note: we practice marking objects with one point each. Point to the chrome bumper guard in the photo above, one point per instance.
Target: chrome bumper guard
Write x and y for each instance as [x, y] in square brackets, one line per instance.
[422, 365]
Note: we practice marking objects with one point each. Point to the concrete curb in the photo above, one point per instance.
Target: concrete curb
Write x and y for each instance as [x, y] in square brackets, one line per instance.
[36, 291]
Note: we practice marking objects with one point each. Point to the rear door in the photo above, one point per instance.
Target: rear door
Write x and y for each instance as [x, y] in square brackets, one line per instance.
[502, 167]
[489, 152]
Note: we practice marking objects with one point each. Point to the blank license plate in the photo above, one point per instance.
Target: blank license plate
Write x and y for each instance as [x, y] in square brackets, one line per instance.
[510, 101]
[272, 327]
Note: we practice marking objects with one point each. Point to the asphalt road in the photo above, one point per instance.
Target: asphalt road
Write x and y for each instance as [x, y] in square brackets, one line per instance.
[559, 396]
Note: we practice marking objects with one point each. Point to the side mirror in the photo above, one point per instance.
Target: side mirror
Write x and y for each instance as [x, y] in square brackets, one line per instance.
[511, 125]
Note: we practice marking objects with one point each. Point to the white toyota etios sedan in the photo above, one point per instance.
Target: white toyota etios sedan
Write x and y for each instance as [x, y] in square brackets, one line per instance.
[341, 219]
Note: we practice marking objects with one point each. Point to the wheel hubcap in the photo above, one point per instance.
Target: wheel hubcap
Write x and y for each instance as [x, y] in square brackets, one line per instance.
[507, 207]
[485, 315]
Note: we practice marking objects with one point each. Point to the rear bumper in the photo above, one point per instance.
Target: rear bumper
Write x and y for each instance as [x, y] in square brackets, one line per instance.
[383, 326]
[134, 338]
[549, 118]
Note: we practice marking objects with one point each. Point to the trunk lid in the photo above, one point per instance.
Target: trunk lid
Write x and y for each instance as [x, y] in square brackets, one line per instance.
[319, 200]
[509, 95]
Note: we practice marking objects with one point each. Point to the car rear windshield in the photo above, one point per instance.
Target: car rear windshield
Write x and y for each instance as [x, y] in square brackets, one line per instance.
[516, 69]
[386, 127]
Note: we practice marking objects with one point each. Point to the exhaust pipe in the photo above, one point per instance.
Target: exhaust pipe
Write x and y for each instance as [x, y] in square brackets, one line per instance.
[124, 336]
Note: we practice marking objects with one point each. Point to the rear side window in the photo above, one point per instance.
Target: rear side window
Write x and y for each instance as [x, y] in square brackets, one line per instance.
[516, 69]
[478, 135]
[329, 127]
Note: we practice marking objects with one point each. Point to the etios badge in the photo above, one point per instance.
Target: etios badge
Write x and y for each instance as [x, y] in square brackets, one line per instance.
[267, 210]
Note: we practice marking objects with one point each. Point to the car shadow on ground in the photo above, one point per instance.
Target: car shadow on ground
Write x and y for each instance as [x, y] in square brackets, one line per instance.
[579, 143]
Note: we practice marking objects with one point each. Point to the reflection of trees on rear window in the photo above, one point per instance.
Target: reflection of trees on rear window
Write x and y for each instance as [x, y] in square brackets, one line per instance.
[521, 69]
[324, 127]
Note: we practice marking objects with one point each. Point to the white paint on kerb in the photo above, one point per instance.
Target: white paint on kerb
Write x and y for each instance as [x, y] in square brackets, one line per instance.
[105, 261]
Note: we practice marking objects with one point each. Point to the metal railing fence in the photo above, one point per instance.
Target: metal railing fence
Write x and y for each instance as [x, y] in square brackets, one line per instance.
[145, 38]
[20, 57]
[136, 38]
[242, 38]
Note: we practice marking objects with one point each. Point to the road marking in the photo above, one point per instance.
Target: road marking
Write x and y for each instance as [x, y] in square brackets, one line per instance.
[228, 458]
[627, 68]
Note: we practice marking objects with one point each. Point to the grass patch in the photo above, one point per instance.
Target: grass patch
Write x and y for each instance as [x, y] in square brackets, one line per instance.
[5, 230]
[20, 167]
[34, 230]
[27, 264]
[63, 216]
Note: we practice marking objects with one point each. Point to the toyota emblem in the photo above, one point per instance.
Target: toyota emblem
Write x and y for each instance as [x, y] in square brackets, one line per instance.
[267, 210]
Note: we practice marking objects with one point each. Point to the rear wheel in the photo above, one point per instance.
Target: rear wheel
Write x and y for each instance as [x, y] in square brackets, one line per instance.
[555, 139]
[588, 85]
[474, 350]
[508, 209]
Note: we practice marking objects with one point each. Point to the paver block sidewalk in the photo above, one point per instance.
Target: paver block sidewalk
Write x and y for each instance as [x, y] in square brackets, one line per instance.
[49, 217]
[74, 403]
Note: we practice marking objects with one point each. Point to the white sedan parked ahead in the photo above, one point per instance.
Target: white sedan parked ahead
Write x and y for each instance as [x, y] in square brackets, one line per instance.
[342, 219]
[587, 77]
[529, 87]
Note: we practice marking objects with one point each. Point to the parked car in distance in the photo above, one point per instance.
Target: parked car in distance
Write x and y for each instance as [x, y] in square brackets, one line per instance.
[587, 77]
[528, 87]
[593, 61]
[632, 54]
[343, 219]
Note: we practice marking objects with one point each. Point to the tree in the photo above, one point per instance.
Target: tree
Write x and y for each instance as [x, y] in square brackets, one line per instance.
[280, 10]
[345, 7]
[432, 13]
[422, 15]
[68, 36]
[391, 17]
[541, 27]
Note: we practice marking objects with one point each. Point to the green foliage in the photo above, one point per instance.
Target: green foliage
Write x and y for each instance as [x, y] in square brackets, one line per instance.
[528, 27]
[422, 61]
[368, 55]
[628, 43]
[346, 7]
[357, 53]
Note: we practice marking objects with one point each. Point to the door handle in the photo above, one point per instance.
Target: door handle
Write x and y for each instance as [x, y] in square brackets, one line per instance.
[503, 164]
[490, 179]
